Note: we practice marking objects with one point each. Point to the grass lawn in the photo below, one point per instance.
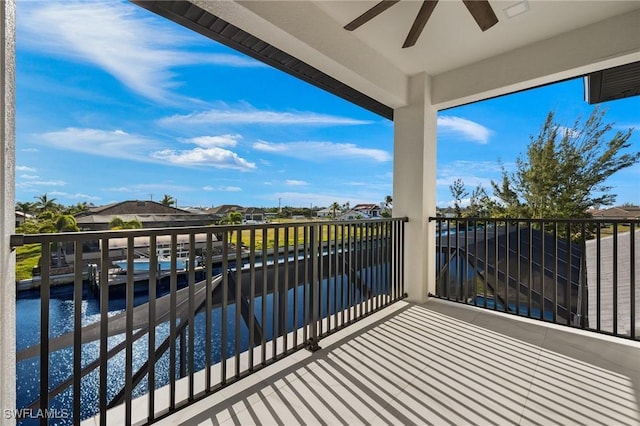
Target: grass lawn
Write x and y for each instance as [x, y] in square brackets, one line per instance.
[328, 231]
[27, 257]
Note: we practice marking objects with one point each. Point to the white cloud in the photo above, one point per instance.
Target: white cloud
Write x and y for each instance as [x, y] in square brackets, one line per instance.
[318, 151]
[214, 141]
[30, 177]
[29, 150]
[466, 129]
[249, 115]
[222, 188]
[76, 195]
[105, 143]
[293, 182]
[32, 183]
[135, 47]
[214, 157]
[160, 187]
[25, 169]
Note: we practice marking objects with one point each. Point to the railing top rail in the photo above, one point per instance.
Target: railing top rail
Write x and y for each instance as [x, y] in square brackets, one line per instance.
[544, 220]
[22, 239]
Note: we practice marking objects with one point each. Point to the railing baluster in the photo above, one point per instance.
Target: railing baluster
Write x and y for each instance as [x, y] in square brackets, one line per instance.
[173, 288]
[307, 284]
[507, 251]
[252, 295]
[192, 307]
[225, 295]
[151, 348]
[632, 281]
[555, 273]
[208, 275]
[265, 268]
[104, 329]
[238, 302]
[542, 262]
[285, 293]
[296, 284]
[530, 285]
[615, 278]
[45, 299]
[275, 299]
[598, 279]
[569, 285]
[315, 286]
[518, 268]
[77, 331]
[128, 369]
[486, 263]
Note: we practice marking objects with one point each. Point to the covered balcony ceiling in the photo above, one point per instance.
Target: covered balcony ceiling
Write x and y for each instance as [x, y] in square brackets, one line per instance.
[533, 43]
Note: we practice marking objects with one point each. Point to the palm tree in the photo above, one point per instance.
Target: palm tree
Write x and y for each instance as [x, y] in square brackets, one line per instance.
[79, 207]
[168, 200]
[333, 207]
[116, 223]
[233, 218]
[44, 203]
[26, 208]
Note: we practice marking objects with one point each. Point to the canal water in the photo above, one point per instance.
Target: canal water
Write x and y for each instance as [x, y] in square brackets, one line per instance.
[61, 321]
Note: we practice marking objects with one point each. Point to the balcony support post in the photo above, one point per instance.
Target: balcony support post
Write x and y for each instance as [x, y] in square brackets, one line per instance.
[7, 210]
[414, 185]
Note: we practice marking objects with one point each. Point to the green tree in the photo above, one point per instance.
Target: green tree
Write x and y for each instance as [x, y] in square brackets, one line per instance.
[26, 207]
[77, 208]
[116, 223]
[334, 207]
[564, 170]
[45, 204]
[233, 218]
[168, 200]
[132, 224]
[458, 192]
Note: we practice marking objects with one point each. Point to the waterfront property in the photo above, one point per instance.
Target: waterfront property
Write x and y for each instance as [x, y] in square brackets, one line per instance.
[428, 362]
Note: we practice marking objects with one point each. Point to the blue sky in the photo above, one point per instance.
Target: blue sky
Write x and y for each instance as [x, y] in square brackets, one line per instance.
[114, 103]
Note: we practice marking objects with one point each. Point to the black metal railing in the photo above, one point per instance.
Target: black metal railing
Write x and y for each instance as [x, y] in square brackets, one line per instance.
[129, 328]
[576, 272]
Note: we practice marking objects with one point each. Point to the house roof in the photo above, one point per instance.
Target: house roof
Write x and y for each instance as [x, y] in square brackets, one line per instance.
[625, 212]
[224, 209]
[132, 207]
[366, 207]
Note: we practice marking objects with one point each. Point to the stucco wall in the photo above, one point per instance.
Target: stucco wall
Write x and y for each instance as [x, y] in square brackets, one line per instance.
[7, 214]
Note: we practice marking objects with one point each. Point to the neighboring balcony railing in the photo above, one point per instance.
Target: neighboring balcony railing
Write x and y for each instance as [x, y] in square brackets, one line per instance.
[111, 322]
[581, 273]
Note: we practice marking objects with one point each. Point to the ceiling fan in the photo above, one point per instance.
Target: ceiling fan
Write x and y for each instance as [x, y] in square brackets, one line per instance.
[480, 10]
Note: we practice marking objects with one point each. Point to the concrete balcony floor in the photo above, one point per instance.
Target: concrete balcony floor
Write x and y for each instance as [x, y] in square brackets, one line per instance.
[439, 363]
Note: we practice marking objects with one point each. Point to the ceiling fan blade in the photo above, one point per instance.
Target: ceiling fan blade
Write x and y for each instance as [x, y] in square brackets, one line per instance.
[370, 14]
[482, 12]
[418, 24]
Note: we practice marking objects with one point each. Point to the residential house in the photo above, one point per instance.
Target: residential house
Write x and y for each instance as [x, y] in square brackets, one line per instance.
[621, 212]
[150, 213]
[353, 214]
[368, 210]
[22, 217]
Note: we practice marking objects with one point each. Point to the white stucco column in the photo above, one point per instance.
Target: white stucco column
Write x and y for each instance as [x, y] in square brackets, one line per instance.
[414, 185]
[7, 213]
